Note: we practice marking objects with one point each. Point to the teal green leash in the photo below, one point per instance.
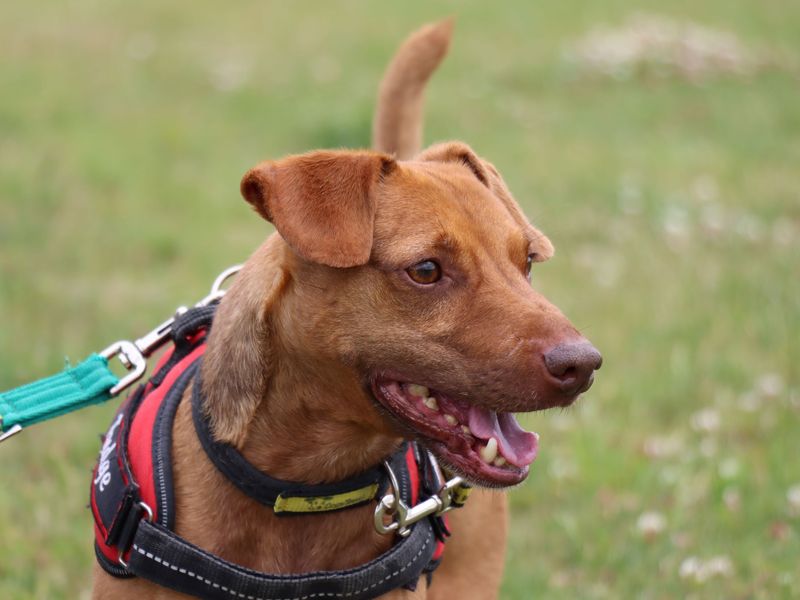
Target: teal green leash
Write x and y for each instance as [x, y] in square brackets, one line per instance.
[82, 385]
[90, 382]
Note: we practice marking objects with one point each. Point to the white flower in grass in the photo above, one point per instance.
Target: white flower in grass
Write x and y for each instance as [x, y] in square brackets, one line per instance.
[717, 566]
[675, 221]
[701, 571]
[651, 523]
[663, 446]
[771, 385]
[793, 497]
[689, 567]
[706, 420]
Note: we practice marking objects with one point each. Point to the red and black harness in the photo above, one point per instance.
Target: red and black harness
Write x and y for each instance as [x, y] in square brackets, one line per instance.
[134, 508]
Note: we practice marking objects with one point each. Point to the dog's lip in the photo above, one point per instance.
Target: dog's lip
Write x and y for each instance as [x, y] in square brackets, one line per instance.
[472, 468]
[486, 447]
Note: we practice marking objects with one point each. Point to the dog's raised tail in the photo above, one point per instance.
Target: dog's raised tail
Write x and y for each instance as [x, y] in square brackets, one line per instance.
[397, 128]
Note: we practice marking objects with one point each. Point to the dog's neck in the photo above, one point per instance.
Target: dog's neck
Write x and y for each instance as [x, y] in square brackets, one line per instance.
[293, 416]
[315, 426]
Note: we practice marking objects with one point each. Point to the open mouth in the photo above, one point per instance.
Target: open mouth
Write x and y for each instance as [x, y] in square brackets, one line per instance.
[487, 447]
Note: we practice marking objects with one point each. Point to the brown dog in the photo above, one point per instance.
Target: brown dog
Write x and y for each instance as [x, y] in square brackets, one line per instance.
[389, 282]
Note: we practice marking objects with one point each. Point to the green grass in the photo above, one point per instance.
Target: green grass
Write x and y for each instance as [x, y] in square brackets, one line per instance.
[674, 207]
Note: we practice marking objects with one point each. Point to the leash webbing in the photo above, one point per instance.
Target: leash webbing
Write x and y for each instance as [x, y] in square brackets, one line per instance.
[76, 387]
[91, 382]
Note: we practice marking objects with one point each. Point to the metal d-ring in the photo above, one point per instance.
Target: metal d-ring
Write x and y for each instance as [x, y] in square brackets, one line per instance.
[393, 505]
[216, 288]
[148, 517]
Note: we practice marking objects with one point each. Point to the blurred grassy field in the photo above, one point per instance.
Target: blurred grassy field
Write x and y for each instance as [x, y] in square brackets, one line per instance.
[674, 207]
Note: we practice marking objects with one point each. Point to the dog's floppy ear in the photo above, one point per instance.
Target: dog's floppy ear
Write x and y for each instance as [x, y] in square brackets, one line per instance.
[457, 152]
[322, 203]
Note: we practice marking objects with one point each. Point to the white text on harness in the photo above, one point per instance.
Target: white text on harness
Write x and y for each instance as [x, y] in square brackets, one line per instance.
[109, 445]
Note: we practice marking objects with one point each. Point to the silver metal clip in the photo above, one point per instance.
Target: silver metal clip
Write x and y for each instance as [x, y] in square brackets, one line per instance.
[402, 516]
[133, 355]
[131, 358]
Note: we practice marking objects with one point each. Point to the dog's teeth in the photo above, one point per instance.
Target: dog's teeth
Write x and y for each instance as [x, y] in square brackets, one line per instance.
[451, 420]
[431, 403]
[489, 451]
[418, 390]
[499, 461]
[466, 430]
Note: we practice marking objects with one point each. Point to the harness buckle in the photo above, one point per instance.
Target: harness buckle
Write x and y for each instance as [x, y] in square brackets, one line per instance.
[402, 515]
[148, 516]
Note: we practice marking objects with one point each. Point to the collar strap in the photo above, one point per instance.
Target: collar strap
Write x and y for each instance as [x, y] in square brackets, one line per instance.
[286, 497]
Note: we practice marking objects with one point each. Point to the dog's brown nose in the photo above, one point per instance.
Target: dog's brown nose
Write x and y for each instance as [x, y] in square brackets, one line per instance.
[572, 366]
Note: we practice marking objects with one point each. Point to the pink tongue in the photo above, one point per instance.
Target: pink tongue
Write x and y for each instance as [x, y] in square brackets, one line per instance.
[517, 446]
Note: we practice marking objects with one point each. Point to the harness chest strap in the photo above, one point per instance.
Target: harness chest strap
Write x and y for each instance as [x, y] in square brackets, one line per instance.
[164, 558]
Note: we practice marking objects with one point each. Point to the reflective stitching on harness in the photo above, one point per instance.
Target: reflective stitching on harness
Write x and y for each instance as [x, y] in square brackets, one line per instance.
[210, 583]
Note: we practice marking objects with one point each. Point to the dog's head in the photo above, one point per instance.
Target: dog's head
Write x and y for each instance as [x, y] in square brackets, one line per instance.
[413, 278]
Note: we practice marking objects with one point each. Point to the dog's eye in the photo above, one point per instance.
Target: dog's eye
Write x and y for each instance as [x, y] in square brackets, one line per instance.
[425, 272]
[529, 264]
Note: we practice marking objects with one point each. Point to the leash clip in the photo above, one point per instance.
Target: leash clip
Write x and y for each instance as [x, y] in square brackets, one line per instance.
[403, 515]
[133, 355]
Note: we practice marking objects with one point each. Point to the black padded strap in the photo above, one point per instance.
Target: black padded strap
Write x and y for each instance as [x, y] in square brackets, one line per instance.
[162, 447]
[164, 558]
[185, 326]
[193, 320]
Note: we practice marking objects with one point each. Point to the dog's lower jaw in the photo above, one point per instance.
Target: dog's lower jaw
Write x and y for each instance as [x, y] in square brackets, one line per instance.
[486, 447]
